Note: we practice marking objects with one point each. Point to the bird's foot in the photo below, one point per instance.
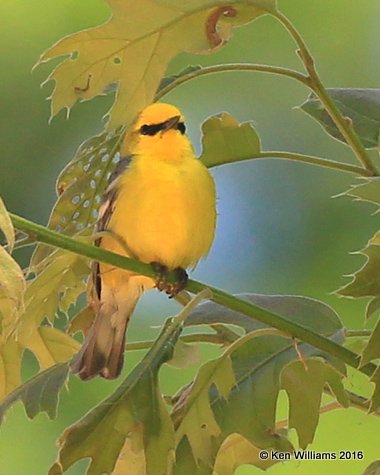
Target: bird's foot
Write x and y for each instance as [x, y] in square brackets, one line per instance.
[171, 288]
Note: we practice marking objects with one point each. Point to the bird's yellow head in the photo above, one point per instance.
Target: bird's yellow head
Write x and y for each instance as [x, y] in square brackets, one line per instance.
[159, 131]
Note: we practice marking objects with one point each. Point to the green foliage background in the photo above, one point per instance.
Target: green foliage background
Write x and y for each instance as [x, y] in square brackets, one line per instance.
[279, 230]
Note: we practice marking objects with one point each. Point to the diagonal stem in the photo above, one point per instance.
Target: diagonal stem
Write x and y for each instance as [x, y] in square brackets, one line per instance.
[230, 301]
[313, 81]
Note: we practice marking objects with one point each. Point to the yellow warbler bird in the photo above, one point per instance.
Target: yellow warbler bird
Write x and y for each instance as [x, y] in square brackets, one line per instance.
[159, 208]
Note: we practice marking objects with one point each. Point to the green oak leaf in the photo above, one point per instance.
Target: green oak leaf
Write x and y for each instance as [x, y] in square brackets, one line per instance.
[257, 361]
[360, 106]
[54, 289]
[135, 411]
[39, 393]
[134, 47]
[304, 383]
[366, 281]
[367, 190]
[224, 141]
[236, 451]
[199, 425]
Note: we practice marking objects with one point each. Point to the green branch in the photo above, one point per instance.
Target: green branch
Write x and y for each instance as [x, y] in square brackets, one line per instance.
[306, 81]
[343, 124]
[223, 68]
[296, 330]
[312, 160]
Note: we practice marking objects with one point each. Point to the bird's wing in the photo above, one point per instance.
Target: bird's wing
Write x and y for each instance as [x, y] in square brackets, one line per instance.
[105, 212]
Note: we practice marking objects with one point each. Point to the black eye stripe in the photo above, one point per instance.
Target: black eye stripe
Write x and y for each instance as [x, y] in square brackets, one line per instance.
[153, 129]
[181, 127]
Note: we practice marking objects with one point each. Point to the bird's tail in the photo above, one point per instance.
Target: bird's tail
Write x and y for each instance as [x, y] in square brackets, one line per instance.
[102, 352]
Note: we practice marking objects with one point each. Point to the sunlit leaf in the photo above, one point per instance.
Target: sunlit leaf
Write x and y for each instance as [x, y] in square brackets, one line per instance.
[256, 360]
[199, 425]
[55, 288]
[12, 289]
[6, 226]
[366, 281]
[10, 365]
[224, 140]
[82, 321]
[39, 393]
[372, 350]
[185, 355]
[360, 106]
[236, 451]
[80, 187]
[49, 345]
[130, 460]
[134, 47]
[135, 411]
[304, 387]
[373, 468]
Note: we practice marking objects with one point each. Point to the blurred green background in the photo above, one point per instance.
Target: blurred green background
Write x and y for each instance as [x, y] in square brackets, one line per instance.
[279, 231]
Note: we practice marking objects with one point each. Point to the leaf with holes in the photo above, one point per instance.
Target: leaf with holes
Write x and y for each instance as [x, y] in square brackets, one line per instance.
[80, 187]
[6, 226]
[39, 393]
[134, 47]
[10, 365]
[250, 370]
[366, 281]
[304, 383]
[360, 106]
[224, 141]
[135, 412]
[54, 289]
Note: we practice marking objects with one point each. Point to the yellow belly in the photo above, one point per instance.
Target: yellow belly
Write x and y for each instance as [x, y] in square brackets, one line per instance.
[165, 211]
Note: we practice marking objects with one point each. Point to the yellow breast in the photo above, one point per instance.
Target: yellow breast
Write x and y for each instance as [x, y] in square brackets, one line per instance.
[165, 210]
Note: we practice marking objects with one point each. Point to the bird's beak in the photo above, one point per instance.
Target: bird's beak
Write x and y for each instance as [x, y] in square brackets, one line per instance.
[171, 123]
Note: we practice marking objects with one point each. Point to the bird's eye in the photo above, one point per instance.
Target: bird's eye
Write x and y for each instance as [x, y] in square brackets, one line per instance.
[181, 127]
[149, 129]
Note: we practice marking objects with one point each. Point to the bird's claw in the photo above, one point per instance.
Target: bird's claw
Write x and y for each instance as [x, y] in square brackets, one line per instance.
[171, 288]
